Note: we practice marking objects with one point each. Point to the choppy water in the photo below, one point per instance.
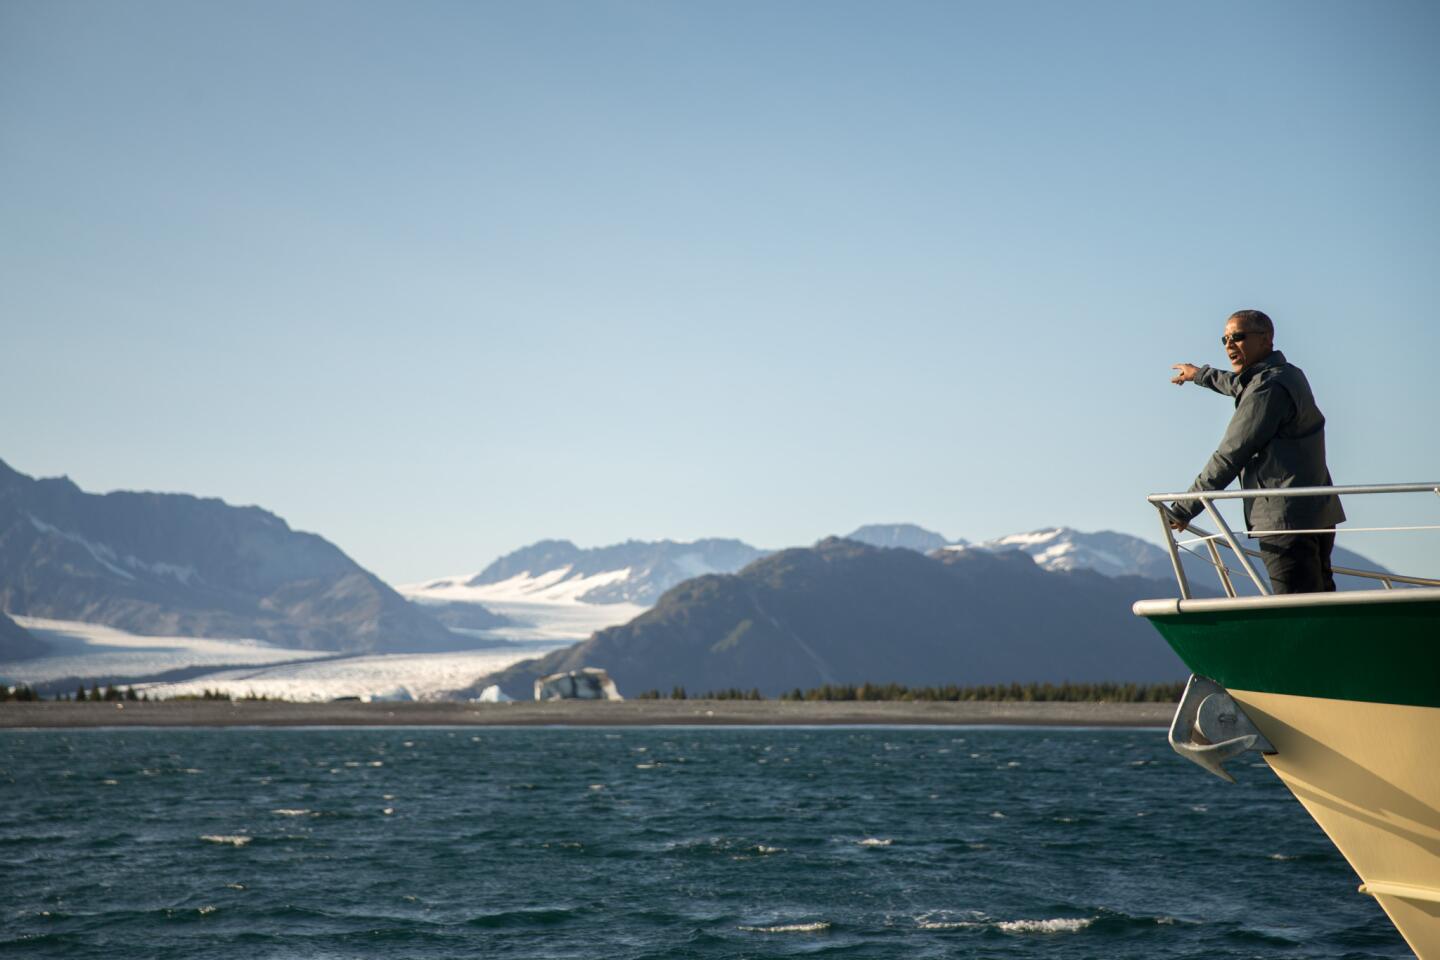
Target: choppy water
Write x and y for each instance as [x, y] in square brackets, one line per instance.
[668, 842]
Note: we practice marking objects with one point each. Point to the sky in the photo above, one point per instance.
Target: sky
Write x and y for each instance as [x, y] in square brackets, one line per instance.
[439, 279]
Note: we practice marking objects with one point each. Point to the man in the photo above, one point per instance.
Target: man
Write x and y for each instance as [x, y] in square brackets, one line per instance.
[1275, 439]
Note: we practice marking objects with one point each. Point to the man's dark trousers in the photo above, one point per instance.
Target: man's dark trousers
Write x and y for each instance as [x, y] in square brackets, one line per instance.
[1299, 562]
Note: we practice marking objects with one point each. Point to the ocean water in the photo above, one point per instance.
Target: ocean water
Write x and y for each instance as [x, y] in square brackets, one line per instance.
[658, 842]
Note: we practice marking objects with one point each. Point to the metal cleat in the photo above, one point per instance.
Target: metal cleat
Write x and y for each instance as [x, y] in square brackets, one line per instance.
[1210, 728]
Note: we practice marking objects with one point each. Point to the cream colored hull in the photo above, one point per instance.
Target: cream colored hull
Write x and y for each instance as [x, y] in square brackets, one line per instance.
[1369, 773]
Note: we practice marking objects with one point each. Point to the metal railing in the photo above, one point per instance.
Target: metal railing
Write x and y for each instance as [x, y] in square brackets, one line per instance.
[1226, 538]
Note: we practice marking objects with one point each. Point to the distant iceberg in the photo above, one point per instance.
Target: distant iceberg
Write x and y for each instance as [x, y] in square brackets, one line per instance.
[492, 694]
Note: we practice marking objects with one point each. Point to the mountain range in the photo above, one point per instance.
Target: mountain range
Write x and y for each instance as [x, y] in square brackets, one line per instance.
[888, 602]
[1106, 552]
[848, 612]
[173, 564]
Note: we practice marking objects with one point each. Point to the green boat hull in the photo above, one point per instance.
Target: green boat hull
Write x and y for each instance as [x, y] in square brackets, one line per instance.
[1378, 653]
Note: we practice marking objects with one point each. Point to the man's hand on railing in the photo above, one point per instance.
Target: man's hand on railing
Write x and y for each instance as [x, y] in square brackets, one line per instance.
[1186, 374]
[1177, 522]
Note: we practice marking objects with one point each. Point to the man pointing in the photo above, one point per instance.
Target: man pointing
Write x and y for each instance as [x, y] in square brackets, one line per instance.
[1275, 439]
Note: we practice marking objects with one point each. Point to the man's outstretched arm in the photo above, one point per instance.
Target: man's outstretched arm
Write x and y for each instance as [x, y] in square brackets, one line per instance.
[1221, 381]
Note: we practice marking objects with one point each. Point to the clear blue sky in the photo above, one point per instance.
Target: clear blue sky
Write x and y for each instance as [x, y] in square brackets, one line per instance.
[438, 279]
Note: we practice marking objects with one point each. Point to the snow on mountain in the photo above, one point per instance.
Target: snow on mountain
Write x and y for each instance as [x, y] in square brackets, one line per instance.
[542, 608]
[90, 651]
[401, 676]
[555, 591]
[560, 585]
[636, 571]
[1117, 554]
[1106, 552]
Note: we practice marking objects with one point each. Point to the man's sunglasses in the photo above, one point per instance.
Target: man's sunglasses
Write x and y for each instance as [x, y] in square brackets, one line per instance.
[1227, 339]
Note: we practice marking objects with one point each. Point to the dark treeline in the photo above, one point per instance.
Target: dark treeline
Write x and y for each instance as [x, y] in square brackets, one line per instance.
[24, 692]
[678, 693]
[1066, 692]
[110, 693]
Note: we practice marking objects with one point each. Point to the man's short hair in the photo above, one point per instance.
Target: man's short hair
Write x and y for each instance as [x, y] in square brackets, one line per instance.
[1254, 320]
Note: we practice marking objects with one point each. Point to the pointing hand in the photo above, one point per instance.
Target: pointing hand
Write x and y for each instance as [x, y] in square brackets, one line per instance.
[1186, 374]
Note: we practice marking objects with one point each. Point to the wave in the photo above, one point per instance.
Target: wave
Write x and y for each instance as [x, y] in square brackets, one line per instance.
[1052, 925]
[1057, 925]
[816, 927]
[233, 839]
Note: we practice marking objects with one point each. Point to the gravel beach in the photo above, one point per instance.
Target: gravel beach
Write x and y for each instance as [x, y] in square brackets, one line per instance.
[193, 713]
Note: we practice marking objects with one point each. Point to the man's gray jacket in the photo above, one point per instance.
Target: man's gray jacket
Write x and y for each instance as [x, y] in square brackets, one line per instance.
[1275, 439]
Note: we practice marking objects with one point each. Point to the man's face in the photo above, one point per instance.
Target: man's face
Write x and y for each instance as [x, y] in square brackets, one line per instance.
[1253, 346]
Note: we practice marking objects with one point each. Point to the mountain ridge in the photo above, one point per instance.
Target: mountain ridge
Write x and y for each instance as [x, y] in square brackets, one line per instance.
[843, 611]
[168, 563]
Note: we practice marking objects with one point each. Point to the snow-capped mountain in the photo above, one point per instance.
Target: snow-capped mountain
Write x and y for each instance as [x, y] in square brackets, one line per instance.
[554, 590]
[1118, 555]
[172, 564]
[1106, 552]
[557, 571]
[1056, 548]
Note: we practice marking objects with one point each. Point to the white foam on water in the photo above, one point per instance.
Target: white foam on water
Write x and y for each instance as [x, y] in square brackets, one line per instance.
[289, 812]
[874, 842]
[815, 927]
[233, 839]
[1057, 925]
[948, 924]
[997, 815]
[761, 848]
[1283, 856]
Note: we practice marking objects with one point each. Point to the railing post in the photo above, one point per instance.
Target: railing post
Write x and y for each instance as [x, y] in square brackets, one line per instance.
[1220, 568]
[1230, 539]
[1174, 553]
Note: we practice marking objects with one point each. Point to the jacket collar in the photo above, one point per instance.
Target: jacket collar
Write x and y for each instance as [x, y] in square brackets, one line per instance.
[1274, 359]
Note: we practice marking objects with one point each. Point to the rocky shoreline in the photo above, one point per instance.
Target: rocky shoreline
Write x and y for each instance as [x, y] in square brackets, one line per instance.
[270, 713]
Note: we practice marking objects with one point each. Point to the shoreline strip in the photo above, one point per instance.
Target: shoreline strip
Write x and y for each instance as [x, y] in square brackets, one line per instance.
[573, 713]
